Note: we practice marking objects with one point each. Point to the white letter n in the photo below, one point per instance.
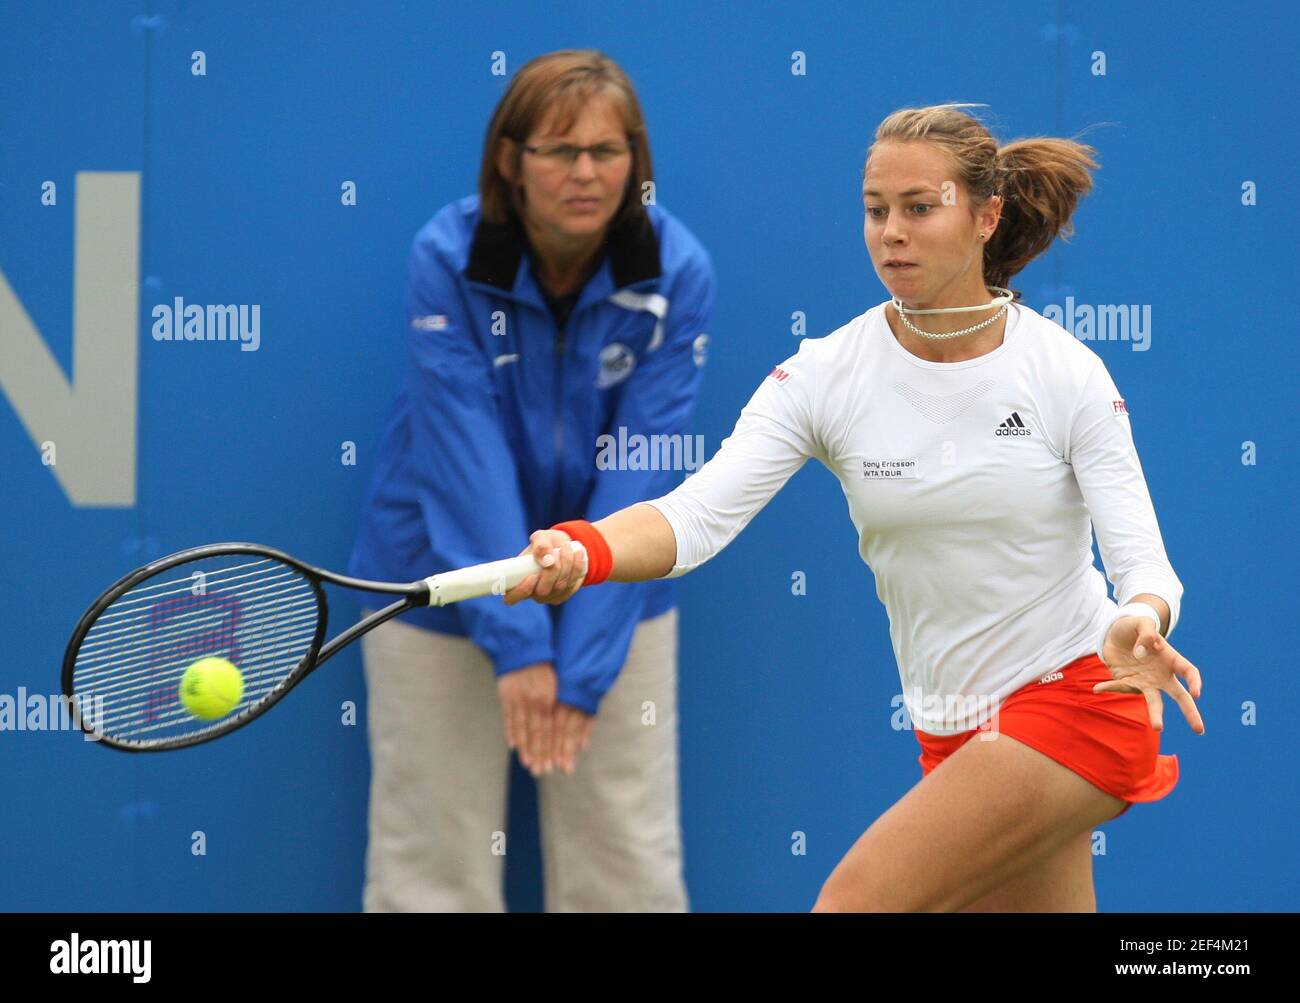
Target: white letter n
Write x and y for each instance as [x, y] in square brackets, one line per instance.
[91, 417]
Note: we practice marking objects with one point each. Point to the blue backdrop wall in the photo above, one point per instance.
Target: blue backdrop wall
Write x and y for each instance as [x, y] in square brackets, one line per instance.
[786, 714]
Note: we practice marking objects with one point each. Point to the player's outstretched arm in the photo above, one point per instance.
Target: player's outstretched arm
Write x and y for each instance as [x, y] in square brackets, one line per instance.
[641, 547]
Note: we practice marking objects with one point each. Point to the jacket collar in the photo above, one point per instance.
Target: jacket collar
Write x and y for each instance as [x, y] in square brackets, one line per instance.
[632, 253]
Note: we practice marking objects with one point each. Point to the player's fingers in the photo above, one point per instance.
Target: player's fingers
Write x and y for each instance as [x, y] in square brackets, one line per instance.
[546, 580]
[1155, 708]
[538, 545]
[513, 595]
[565, 563]
[1149, 640]
[522, 591]
[566, 569]
[545, 543]
[580, 569]
[544, 592]
[1115, 686]
[1190, 672]
[552, 550]
[570, 580]
[1186, 704]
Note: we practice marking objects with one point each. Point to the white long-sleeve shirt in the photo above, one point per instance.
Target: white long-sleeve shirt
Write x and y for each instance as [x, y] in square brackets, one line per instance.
[974, 487]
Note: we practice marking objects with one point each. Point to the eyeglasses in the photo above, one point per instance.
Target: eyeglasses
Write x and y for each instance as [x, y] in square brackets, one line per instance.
[566, 154]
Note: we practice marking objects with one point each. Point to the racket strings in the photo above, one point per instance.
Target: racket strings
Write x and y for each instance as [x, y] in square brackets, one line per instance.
[106, 650]
[129, 613]
[261, 615]
[131, 670]
[259, 673]
[192, 580]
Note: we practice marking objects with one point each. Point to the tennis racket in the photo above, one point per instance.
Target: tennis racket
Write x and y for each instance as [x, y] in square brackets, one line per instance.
[258, 608]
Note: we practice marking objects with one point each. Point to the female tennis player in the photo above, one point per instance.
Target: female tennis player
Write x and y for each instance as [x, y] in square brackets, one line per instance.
[978, 445]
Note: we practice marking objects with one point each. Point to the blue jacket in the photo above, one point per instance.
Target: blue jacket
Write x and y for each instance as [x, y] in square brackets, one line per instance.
[494, 431]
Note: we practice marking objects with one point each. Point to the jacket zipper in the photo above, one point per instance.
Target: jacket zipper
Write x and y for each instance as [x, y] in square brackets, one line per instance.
[559, 420]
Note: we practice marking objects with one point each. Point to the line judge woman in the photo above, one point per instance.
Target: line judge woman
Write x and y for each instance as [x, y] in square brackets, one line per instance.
[978, 445]
[556, 306]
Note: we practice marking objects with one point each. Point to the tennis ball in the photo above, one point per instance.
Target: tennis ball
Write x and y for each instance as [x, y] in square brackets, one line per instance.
[211, 688]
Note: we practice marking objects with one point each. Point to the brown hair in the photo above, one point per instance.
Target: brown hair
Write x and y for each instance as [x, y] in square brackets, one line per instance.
[1040, 179]
[566, 79]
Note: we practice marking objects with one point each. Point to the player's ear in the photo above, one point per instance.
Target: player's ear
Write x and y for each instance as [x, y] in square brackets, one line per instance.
[992, 214]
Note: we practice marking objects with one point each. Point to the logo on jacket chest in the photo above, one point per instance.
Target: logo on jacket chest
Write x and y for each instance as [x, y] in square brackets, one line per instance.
[616, 364]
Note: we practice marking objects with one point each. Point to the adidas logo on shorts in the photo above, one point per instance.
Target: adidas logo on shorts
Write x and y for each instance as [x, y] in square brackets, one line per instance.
[1052, 677]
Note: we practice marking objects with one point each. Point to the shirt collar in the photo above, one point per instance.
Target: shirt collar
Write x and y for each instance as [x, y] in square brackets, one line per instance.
[631, 253]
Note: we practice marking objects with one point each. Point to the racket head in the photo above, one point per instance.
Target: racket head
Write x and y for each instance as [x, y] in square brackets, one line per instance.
[257, 607]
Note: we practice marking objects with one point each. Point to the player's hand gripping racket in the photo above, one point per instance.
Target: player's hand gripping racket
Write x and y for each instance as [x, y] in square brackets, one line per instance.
[232, 604]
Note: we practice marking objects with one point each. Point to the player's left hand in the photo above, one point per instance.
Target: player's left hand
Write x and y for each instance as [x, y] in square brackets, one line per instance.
[1141, 661]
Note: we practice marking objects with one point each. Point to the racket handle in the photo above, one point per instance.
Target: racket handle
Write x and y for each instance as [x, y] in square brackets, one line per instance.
[492, 578]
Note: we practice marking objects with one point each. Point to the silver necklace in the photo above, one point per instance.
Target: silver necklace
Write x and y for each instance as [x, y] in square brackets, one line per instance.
[1002, 300]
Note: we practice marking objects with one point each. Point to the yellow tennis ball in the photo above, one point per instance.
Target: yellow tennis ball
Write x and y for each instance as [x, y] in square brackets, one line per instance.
[211, 688]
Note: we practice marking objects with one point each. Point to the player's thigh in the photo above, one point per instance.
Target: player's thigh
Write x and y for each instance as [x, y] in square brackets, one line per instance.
[988, 812]
[1060, 882]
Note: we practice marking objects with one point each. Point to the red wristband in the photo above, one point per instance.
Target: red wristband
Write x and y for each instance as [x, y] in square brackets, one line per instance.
[600, 562]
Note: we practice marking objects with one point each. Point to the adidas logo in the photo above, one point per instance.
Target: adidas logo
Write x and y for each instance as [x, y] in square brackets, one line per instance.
[1013, 426]
[1052, 677]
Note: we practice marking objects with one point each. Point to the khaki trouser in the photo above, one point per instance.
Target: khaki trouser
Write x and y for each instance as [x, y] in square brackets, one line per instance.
[611, 835]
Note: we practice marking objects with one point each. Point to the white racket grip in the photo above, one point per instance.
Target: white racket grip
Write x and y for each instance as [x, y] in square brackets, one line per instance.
[492, 578]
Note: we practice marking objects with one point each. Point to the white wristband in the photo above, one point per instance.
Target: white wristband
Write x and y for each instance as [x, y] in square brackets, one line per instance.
[1128, 609]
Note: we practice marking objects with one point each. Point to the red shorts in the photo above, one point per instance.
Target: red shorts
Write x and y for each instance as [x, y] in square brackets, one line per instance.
[1106, 737]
